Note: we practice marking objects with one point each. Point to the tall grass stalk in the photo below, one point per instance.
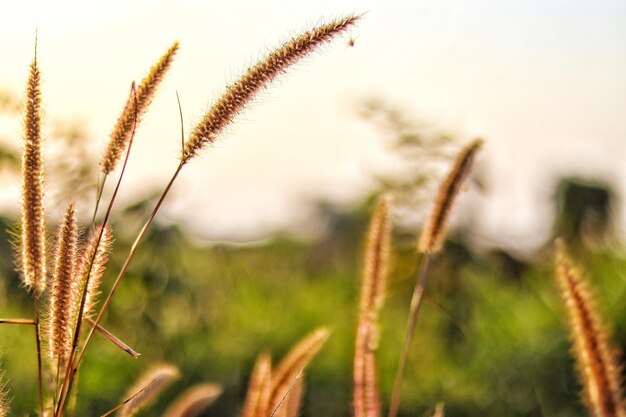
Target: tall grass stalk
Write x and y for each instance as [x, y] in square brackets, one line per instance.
[431, 242]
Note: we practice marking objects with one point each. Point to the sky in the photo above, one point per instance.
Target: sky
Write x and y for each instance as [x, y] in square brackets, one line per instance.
[544, 83]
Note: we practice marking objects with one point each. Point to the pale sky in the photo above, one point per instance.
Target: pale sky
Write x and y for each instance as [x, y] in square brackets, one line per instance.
[543, 82]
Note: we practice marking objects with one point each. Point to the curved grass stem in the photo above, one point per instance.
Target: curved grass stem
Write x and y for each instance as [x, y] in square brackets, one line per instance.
[416, 301]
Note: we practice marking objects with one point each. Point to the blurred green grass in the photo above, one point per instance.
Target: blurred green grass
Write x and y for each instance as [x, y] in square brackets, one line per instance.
[500, 348]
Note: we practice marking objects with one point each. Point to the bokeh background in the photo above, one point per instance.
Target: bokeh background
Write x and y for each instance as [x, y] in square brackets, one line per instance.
[261, 238]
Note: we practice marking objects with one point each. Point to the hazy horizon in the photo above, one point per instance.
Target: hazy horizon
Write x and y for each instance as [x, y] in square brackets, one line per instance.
[543, 83]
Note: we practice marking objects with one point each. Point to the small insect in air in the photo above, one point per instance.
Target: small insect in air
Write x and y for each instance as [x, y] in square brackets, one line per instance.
[351, 42]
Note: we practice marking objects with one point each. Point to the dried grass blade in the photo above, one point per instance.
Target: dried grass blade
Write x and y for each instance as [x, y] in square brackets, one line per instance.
[18, 321]
[598, 365]
[193, 401]
[116, 341]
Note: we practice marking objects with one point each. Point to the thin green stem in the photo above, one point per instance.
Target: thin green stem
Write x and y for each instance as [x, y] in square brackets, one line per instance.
[416, 301]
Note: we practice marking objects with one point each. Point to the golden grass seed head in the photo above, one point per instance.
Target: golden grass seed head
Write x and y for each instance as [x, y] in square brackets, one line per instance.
[194, 400]
[64, 292]
[366, 401]
[433, 234]
[259, 391]
[293, 364]
[237, 95]
[148, 387]
[135, 108]
[32, 245]
[597, 361]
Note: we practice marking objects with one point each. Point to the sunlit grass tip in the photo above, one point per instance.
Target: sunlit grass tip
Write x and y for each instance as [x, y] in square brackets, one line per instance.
[194, 401]
[135, 108]
[598, 366]
[432, 236]
[148, 387]
[293, 364]
[32, 242]
[238, 94]
[259, 391]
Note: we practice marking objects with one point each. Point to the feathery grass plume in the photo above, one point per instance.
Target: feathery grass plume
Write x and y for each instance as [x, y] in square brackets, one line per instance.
[259, 388]
[290, 368]
[135, 108]
[597, 359]
[366, 396]
[64, 291]
[194, 400]
[100, 256]
[256, 78]
[32, 246]
[433, 233]
[148, 387]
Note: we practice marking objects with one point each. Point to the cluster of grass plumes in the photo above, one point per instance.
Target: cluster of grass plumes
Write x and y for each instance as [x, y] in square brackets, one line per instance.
[79, 262]
[66, 295]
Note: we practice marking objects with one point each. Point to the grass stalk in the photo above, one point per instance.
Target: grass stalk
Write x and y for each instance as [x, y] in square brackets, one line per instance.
[18, 321]
[366, 402]
[70, 368]
[416, 301]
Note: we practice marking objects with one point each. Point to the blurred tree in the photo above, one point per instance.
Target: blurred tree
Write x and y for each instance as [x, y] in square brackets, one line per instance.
[584, 211]
[421, 152]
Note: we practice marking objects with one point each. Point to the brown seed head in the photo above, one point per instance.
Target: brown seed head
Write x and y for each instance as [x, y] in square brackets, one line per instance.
[433, 234]
[135, 108]
[597, 359]
[259, 388]
[366, 396]
[290, 368]
[256, 78]
[148, 387]
[32, 248]
[193, 401]
[64, 292]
